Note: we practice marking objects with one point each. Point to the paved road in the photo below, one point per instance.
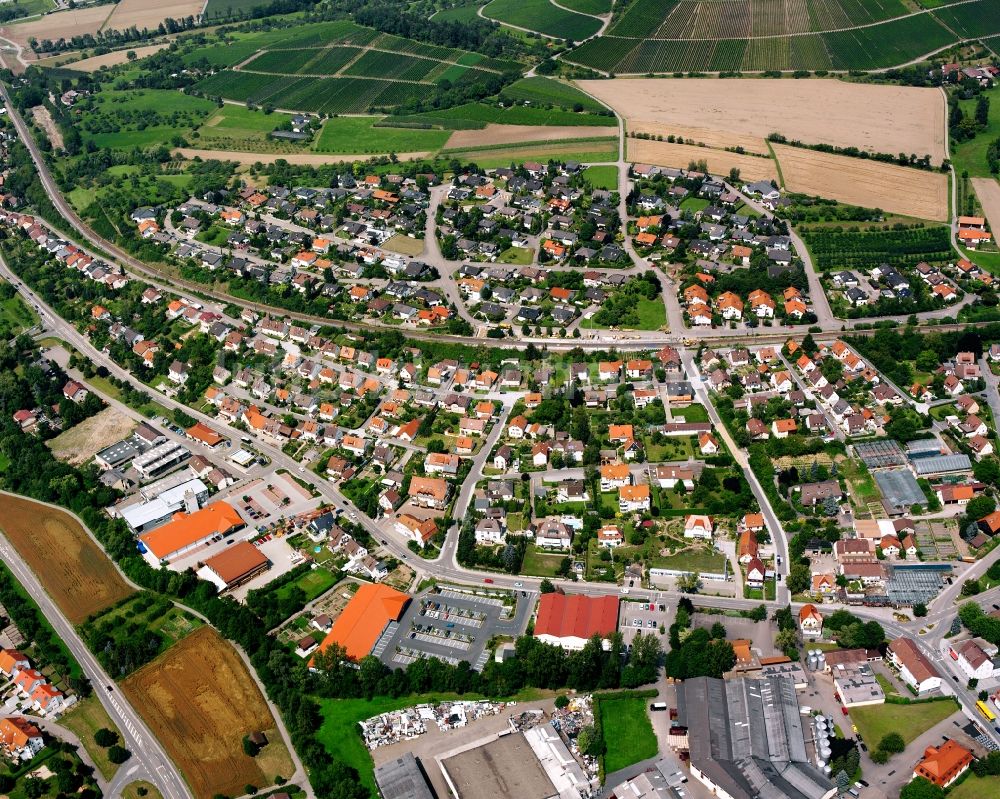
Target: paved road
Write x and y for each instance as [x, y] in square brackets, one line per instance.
[146, 750]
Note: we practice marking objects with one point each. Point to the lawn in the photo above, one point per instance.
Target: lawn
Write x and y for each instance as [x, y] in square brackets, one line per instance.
[313, 583]
[694, 204]
[522, 256]
[150, 791]
[974, 787]
[695, 412]
[404, 245]
[15, 316]
[876, 721]
[602, 177]
[672, 449]
[86, 718]
[652, 314]
[627, 731]
[540, 563]
[700, 560]
[357, 135]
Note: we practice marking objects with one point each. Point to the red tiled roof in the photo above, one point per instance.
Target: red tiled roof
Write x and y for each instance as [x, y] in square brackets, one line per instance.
[576, 615]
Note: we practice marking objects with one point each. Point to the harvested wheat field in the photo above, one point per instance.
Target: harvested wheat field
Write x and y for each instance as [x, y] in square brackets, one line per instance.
[81, 442]
[115, 57]
[60, 25]
[199, 700]
[871, 184]
[885, 119]
[150, 13]
[988, 192]
[706, 136]
[661, 153]
[72, 568]
[519, 134]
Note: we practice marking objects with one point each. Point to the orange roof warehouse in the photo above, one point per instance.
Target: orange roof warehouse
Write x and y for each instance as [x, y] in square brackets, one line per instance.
[365, 618]
[188, 531]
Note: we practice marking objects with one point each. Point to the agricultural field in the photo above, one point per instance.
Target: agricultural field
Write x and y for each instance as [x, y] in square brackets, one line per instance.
[988, 192]
[80, 443]
[115, 57]
[868, 117]
[719, 139]
[363, 134]
[727, 35]
[149, 14]
[838, 248]
[732, 19]
[519, 134]
[127, 118]
[71, 566]
[583, 151]
[592, 7]
[203, 675]
[719, 162]
[478, 115]
[872, 184]
[234, 127]
[543, 17]
[62, 25]
[226, 9]
[547, 91]
[333, 68]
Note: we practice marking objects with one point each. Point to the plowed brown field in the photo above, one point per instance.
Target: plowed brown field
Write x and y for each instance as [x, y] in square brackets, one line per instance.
[70, 565]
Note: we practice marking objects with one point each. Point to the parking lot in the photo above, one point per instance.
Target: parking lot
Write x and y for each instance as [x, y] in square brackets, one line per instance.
[263, 501]
[453, 626]
[648, 617]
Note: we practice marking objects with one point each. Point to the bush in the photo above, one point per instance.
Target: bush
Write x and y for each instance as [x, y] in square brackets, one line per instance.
[105, 737]
[893, 743]
[250, 749]
[561, 701]
[880, 756]
[919, 610]
[118, 754]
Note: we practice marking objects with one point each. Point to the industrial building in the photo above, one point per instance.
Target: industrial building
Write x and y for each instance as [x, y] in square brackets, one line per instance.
[746, 740]
[234, 566]
[359, 626]
[188, 496]
[402, 778]
[900, 491]
[189, 531]
[570, 620]
[159, 459]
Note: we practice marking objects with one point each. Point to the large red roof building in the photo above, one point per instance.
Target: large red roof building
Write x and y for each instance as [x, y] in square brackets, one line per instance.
[570, 620]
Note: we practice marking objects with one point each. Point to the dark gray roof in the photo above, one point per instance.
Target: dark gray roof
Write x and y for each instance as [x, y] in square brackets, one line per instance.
[746, 736]
[402, 779]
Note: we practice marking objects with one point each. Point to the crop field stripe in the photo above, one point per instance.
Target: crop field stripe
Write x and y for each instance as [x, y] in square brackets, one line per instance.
[542, 16]
[971, 19]
[642, 18]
